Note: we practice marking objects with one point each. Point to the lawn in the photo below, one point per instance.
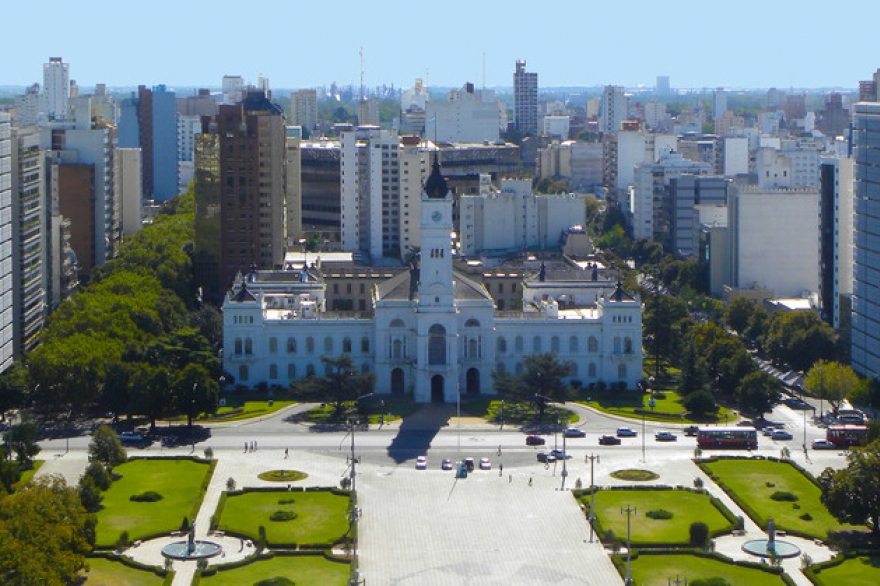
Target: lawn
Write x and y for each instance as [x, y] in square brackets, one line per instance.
[311, 570]
[384, 410]
[667, 407]
[686, 508]
[178, 481]
[104, 572]
[237, 410]
[28, 474]
[661, 570]
[751, 482]
[860, 570]
[517, 413]
[321, 516]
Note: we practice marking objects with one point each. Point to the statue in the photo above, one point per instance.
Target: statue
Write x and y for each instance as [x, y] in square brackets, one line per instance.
[191, 540]
[771, 536]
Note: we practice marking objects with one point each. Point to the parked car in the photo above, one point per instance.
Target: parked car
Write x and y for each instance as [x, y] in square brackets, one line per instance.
[626, 432]
[421, 463]
[574, 432]
[781, 434]
[768, 431]
[130, 437]
[447, 464]
[546, 458]
[535, 440]
[560, 455]
[665, 436]
[469, 464]
[485, 464]
[609, 440]
[691, 430]
[821, 444]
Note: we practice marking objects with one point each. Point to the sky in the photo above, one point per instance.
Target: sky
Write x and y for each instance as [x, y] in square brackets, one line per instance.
[302, 44]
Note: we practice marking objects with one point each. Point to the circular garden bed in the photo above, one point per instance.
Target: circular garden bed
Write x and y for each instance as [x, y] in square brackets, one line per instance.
[634, 475]
[283, 475]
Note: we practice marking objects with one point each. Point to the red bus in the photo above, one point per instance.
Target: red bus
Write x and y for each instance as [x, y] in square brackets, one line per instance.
[727, 437]
[847, 435]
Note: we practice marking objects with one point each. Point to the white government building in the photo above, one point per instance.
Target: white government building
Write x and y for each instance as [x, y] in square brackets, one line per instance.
[434, 332]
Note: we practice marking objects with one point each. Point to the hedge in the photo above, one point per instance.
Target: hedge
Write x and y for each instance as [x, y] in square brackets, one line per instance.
[619, 561]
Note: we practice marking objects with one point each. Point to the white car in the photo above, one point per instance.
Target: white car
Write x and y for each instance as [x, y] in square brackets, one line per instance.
[626, 432]
[485, 464]
[447, 464]
[560, 455]
[421, 463]
[665, 436]
[574, 432]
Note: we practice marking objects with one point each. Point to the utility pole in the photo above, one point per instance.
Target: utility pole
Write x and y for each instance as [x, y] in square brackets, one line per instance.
[564, 463]
[630, 511]
[592, 458]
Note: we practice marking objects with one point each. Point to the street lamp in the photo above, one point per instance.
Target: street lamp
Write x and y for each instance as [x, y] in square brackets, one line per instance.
[591, 458]
[192, 405]
[630, 511]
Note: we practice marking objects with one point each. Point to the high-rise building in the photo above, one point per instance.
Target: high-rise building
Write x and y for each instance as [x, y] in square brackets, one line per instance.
[29, 238]
[612, 109]
[865, 350]
[29, 106]
[467, 115]
[525, 100]
[661, 87]
[6, 262]
[149, 122]
[304, 109]
[836, 205]
[233, 89]
[240, 182]
[719, 103]
[129, 189]
[56, 88]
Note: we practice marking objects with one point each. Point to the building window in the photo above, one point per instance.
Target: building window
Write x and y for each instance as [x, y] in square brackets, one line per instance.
[502, 345]
[518, 344]
[310, 345]
[291, 371]
[273, 371]
[437, 345]
[536, 344]
[243, 372]
[238, 346]
[473, 348]
[519, 368]
[273, 345]
[248, 346]
[573, 345]
[397, 349]
[365, 345]
[621, 372]
[291, 345]
[328, 344]
[554, 344]
[310, 369]
[346, 345]
[591, 370]
[592, 345]
[627, 345]
[617, 344]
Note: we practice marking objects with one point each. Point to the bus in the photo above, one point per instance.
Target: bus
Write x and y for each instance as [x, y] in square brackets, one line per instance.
[847, 435]
[727, 437]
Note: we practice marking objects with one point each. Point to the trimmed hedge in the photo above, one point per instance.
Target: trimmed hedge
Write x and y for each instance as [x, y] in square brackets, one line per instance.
[212, 570]
[127, 561]
[619, 561]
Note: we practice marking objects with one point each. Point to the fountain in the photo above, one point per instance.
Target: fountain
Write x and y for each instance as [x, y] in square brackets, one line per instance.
[191, 549]
[771, 547]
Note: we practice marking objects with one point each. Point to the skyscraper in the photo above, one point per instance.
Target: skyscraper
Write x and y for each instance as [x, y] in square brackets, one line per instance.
[525, 100]
[612, 109]
[304, 110]
[56, 88]
[6, 268]
[866, 269]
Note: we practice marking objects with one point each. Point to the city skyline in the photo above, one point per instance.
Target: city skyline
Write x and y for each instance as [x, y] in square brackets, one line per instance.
[185, 44]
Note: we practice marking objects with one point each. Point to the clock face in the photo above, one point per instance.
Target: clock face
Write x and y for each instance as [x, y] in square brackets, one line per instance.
[436, 216]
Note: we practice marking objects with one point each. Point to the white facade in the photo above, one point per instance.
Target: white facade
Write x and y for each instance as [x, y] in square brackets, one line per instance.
[736, 156]
[655, 113]
[434, 333]
[233, 89]
[29, 106]
[513, 218]
[467, 115]
[130, 189]
[56, 88]
[634, 147]
[7, 330]
[774, 239]
[557, 126]
[613, 109]
[415, 97]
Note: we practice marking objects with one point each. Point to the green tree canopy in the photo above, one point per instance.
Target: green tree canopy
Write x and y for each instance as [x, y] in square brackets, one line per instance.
[852, 495]
[831, 381]
[541, 381]
[106, 448]
[21, 440]
[341, 383]
[757, 393]
[738, 313]
[799, 339]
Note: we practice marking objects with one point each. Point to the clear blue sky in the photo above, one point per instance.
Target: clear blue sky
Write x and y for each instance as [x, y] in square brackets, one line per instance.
[296, 43]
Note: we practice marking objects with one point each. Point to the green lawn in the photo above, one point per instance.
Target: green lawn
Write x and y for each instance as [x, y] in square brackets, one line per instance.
[385, 410]
[321, 516]
[28, 474]
[104, 572]
[686, 507]
[312, 570]
[516, 413]
[249, 409]
[178, 481]
[860, 570]
[747, 481]
[657, 570]
[667, 407]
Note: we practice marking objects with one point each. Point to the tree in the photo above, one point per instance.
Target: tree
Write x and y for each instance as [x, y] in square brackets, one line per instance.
[732, 369]
[700, 403]
[738, 314]
[831, 381]
[799, 339]
[106, 448]
[758, 393]
[665, 319]
[542, 379]
[694, 374]
[21, 440]
[13, 388]
[45, 534]
[89, 495]
[852, 495]
[341, 383]
[196, 391]
[867, 394]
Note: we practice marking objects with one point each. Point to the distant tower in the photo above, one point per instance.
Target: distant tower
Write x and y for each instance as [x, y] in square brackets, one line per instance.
[525, 100]
[7, 277]
[612, 109]
[662, 86]
[56, 88]
[719, 103]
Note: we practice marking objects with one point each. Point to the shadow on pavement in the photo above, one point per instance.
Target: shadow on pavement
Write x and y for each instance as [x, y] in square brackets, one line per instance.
[418, 430]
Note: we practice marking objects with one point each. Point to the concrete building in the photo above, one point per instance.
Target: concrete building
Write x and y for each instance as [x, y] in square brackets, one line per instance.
[293, 180]
[233, 89]
[7, 271]
[662, 87]
[613, 109]
[836, 191]
[417, 96]
[129, 189]
[770, 229]
[688, 193]
[241, 191]
[56, 88]
[29, 239]
[368, 112]
[430, 331]
[525, 100]
[513, 218]
[655, 114]
[29, 106]
[719, 103]
[467, 115]
[865, 352]
[735, 152]
[630, 148]
[304, 109]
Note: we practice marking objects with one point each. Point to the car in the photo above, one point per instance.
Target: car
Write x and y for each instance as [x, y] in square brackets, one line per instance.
[421, 463]
[626, 432]
[447, 464]
[485, 464]
[546, 458]
[665, 436]
[768, 431]
[609, 440]
[574, 432]
[691, 430]
[560, 455]
[469, 464]
[821, 444]
[130, 437]
[781, 434]
[535, 440]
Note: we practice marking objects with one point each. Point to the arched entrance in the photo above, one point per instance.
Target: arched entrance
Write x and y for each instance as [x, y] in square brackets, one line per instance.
[437, 395]
[397, 381]
[473, 381]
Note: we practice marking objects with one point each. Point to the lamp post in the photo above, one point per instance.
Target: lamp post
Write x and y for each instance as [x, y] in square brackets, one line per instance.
[191, 406]
[564, 463]
[592, 458]
[630, 511]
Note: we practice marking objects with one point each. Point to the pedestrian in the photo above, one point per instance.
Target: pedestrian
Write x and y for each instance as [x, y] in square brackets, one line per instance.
[245, 447]
[255, 446]
[285, 453]
[500, 469]
[510, 478]
[530, 480]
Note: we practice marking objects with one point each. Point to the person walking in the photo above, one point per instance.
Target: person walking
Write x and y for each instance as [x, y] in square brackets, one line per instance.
[285, 453]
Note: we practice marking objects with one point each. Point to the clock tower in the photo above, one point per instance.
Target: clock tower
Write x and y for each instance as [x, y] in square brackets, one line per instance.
[435, 267]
